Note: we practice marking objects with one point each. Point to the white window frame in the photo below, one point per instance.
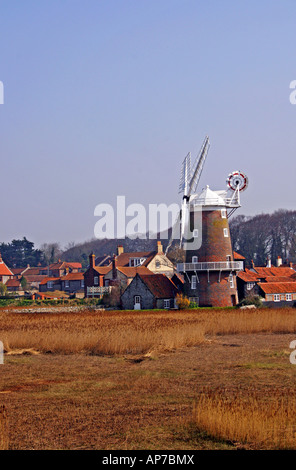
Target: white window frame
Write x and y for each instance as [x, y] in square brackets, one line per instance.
[276, 297]
[82, 282]
[288, 297]
[223, 213]
[50, 285]
[96, 280]
[225, 231]
[166, 303]
[231, 281]
[250, 285]
[137, 299]
[193, 282]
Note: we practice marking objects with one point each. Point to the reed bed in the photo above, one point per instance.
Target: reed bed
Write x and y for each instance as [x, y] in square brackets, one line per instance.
[121, 332]
[3, 429]
[248, 416]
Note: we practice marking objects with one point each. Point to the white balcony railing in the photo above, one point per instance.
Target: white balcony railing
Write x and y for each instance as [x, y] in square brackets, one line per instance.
[211, 266]
[98, 290]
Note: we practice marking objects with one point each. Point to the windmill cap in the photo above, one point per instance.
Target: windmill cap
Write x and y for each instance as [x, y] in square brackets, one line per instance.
[207, 197]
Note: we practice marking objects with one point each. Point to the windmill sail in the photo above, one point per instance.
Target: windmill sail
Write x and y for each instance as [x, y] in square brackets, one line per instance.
[185, 175]
[198, 166]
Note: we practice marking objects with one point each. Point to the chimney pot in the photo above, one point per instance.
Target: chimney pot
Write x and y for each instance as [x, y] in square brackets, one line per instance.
[120, 250]
[159, 247]
[92, 260]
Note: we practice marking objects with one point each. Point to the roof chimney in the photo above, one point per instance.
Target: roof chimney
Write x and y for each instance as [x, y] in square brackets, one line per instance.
[114, 265]
[252, 263]
[291, 265]
[159, 247]
[0, 258]
[279, 261]
[120, 250]
[268, 262]
[92, 263]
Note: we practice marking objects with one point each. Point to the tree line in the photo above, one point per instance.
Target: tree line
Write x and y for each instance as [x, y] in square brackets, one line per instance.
[256, 237]
[265, 236]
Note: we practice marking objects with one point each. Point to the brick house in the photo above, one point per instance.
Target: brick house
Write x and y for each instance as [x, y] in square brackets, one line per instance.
[278, 294]
[149, 292]
[14, 285]
[249, 281]
[72, 283]
[61, 268]
[50, 284]
[94, 282]
[156, 261]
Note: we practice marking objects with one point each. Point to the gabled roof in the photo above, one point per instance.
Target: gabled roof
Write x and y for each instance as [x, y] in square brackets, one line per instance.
[73, 277]
[160, 286]
[4, 270]
[13, 283]
[124, 258]
[103, 269]
[47, 279]
[278, 287]
[103, 260]
[274, 271]
[238, 256]
[248, 276]
[130, 271]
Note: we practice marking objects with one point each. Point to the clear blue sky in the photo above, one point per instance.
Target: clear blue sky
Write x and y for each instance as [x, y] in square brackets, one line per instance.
[106, 97]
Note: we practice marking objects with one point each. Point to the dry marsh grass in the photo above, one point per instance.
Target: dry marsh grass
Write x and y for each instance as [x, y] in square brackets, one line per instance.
[121, 332]
[248, 417]
[3, 429]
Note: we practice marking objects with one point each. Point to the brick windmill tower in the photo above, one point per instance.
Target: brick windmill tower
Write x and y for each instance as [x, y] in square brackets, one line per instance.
[209, 269]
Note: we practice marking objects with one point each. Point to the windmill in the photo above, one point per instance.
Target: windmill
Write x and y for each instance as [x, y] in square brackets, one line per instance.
[210, 266]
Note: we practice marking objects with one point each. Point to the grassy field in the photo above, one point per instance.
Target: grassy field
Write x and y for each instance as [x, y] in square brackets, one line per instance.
[197, 379]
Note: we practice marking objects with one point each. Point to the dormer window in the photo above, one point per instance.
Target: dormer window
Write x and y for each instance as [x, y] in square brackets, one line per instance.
[134, 262]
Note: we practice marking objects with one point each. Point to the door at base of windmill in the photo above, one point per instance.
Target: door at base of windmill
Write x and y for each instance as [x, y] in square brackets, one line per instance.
[137, 304]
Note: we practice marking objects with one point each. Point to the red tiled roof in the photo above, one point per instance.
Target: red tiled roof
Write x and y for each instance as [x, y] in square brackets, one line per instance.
[4, 270]
[132, 271]
[47, 279]
[274, 271]
[13, 283]
[124, 258]
[103, 269]
[160, 285]
[73, 277]
[247, 276]
[278, 279]
[238, 256]
[278, 287]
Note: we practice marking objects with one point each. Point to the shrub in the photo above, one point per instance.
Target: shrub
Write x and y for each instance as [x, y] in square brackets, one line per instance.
[252, 300]
[182, 302]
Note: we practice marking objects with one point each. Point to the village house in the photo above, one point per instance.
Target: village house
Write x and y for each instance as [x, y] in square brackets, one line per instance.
[269, 282]
[73, 283]
[122, 268]
[61, 268]
[156, 261]
[149, 292]
[5, 272]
